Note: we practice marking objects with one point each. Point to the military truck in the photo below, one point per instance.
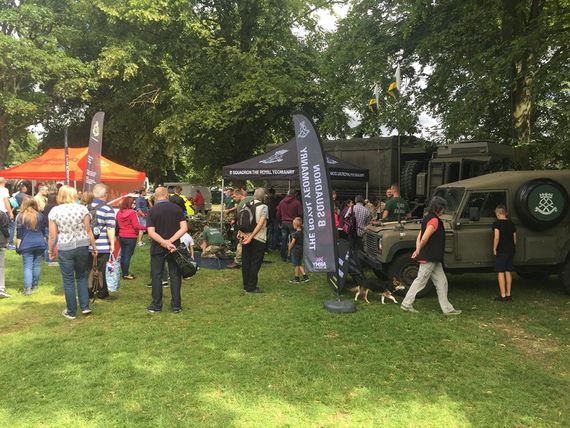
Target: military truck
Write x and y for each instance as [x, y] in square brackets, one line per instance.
[537, 202]
[189, 190]
[422, 166]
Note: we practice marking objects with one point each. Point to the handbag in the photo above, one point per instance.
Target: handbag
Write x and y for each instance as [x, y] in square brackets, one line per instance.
[95, 282]
[349, 225]
[113, 274]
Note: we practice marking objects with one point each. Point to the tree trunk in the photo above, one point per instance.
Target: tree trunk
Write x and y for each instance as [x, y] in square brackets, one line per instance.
[522, 101]
[521, 21]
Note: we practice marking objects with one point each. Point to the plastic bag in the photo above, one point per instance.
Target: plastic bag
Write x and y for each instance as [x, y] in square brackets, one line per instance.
[113, 274]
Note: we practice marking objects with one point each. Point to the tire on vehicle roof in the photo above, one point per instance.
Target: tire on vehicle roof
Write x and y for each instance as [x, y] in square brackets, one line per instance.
[408, 179]
[541, 203]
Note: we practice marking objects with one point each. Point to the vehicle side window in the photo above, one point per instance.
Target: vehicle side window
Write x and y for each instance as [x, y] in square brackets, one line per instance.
[486, 202]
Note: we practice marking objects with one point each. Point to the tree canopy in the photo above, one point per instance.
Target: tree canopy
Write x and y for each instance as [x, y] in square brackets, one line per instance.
[486, 69]
[189, 86]
[38, 76]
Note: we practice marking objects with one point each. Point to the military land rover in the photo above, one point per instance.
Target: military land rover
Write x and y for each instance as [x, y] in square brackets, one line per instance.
[537, 202]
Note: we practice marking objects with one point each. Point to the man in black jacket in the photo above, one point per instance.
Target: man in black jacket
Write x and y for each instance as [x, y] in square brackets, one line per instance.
[430, 246]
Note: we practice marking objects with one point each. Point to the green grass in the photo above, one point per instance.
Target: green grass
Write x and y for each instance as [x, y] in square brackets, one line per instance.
[279, 359]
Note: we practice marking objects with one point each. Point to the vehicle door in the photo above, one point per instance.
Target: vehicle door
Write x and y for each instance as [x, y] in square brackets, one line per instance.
[473, 228]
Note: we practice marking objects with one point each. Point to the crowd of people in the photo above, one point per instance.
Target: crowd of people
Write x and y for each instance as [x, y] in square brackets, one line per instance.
[78, 232]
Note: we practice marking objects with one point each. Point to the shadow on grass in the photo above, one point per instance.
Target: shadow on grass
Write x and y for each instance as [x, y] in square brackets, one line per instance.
[280, 359]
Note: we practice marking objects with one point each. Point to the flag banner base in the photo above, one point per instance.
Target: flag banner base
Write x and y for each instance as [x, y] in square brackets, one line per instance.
[340, 306]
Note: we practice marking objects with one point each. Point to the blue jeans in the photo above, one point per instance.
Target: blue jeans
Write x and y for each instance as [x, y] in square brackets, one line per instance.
[74, 266]
[286, 230]
[32, 261]
[128, 246]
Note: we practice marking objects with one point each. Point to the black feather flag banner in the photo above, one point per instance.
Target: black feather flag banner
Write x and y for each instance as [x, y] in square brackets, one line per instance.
[92, 174]
[319, 231]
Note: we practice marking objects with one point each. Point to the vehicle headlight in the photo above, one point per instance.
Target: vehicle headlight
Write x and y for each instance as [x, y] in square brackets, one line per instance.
[380, 244]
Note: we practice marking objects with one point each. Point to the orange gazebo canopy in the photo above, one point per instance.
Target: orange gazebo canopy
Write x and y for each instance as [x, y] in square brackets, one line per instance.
[51, 166]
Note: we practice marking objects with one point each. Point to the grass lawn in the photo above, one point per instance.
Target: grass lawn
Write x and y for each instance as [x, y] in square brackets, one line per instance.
[279, 359]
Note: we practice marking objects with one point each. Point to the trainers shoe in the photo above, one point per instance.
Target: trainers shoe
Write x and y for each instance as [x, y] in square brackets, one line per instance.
[128, 277]
[11, 247]
[3, 294]
[453, 312]
[141, 244]
[27, 291]
[500, 299]
[295, 281]
[305, 278]
[66, 315]
[86, 311]
[53, 264]
[409, 309]
[152, 310]
[177, 310]
[508, 298]
[164, 284]
[149, 285]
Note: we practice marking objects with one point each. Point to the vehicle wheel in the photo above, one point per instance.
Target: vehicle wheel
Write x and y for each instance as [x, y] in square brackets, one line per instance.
[380, 274]
[541, 203]
[565, 276]
[406, 270]
[535, 275]
[408, 178]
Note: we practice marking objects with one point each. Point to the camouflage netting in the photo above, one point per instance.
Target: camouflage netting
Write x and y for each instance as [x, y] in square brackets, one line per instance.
[196, 225]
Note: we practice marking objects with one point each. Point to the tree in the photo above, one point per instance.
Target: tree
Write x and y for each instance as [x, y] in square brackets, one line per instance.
[37, 76]
[190, 86]
[487, 69]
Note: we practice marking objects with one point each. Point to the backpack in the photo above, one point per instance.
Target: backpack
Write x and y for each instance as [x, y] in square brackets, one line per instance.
[246, 221]
[349, 223]
[95, 228]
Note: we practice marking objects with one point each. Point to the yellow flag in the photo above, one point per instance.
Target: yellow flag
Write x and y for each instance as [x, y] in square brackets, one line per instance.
[394, 87]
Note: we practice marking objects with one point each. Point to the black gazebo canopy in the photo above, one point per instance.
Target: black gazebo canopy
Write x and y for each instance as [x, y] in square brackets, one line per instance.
[281, 164]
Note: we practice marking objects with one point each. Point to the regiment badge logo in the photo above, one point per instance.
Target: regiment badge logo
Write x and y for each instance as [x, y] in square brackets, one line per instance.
[546, 204]
[275, 157]
[331, 161]
[303, 130]
[96, 129]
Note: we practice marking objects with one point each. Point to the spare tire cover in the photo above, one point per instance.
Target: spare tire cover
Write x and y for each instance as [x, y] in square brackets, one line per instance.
[541, 203]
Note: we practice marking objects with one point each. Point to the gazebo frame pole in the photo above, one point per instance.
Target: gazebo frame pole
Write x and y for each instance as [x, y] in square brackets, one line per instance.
[222, 208]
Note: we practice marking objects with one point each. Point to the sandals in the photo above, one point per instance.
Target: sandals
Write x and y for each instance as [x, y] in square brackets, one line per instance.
[128, 277]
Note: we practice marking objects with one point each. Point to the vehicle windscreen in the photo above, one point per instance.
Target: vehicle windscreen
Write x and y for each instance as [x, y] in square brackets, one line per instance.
[452, 195]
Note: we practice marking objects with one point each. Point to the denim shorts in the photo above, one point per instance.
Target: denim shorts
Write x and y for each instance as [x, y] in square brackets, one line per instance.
[297, 259]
